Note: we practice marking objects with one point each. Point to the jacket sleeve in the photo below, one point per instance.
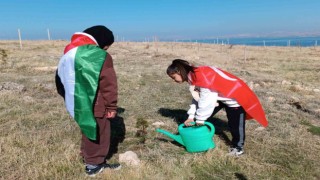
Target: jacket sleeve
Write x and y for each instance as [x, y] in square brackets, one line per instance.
[192, 110]
[108, 85]
[194, 105]
[206, 104]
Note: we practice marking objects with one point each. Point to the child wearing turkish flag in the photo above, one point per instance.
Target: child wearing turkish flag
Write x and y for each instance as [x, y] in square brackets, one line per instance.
[213, 89]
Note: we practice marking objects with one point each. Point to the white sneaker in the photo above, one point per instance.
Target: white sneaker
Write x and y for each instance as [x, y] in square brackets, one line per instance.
[235, 151]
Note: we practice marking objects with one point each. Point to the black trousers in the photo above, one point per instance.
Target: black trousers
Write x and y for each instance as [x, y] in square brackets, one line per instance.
[236, 122]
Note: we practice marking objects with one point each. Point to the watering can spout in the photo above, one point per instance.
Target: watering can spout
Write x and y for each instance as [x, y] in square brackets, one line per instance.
[173, 136]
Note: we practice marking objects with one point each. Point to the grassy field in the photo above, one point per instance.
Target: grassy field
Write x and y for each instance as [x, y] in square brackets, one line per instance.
[40, 141]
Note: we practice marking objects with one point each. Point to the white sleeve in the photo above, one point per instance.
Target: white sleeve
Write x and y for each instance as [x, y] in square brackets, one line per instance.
[195, 94]
[206, 104]
[193, 108]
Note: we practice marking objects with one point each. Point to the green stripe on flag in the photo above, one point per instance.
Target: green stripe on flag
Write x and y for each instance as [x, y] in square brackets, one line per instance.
[89, 60]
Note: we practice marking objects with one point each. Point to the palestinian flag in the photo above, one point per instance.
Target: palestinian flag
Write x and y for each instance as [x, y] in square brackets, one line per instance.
[79, 71]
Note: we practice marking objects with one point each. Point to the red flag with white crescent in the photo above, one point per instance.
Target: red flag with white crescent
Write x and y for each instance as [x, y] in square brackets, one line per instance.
[231, 87]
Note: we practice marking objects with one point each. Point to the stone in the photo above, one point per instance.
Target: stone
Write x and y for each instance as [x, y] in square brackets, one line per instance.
[260, 129]
[284, 82]
[316, 90]
[129, 158]
[158, 124]
[28, 99]
[271, 99]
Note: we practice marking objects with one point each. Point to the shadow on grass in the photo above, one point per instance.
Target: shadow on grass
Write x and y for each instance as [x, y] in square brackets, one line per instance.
[173, 142]
[240, 176]
[118, 132]
[180, 115]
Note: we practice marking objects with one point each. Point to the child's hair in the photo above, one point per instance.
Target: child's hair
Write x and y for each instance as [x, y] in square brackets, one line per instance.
[181, 67]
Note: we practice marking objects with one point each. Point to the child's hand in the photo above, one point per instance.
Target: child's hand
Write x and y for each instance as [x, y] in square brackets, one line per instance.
[111, 114]
[188, 122]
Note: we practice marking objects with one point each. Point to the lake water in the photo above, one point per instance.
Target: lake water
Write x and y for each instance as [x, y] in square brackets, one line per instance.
[266, 41]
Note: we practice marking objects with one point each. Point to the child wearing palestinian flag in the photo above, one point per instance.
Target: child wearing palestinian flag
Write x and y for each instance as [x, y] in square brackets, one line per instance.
[87, 81]
[213, 89]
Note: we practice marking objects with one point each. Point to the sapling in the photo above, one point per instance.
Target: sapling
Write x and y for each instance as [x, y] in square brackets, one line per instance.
[142, 125]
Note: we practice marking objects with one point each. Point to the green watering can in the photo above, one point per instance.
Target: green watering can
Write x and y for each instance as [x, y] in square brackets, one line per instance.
[194, 138]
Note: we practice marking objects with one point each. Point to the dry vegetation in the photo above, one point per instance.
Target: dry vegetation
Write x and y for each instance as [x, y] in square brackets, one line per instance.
[39, 141]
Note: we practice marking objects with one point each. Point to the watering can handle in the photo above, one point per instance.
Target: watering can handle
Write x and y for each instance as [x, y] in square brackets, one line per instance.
[211, 127]
[206, 123]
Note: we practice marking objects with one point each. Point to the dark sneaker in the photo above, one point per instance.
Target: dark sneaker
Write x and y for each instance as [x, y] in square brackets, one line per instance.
[235, 151]
[113, 166]
[93, 171]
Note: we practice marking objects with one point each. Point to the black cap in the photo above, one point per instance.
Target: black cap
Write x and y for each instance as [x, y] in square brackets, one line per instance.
[101, 34]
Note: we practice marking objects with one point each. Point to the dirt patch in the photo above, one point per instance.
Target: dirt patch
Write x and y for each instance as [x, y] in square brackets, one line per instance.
[11, 86]
[46, 68]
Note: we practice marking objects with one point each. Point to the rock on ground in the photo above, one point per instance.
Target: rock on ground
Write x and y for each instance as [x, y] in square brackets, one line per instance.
[130, 158]
[157, 124]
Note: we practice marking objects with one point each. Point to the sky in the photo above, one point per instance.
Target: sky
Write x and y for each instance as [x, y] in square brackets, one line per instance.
[164, 19]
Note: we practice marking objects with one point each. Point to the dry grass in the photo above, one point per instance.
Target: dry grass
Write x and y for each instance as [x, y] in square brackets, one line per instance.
[39, 141]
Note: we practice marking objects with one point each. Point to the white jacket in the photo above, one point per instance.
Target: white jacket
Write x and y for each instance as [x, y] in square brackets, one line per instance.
[204, 101]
